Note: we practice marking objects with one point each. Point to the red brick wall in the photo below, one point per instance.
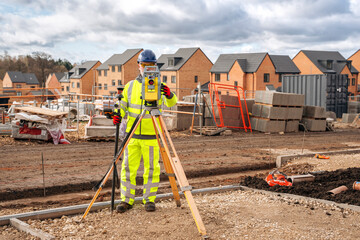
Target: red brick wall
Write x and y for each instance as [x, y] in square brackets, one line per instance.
[305, 65]
[266, 67]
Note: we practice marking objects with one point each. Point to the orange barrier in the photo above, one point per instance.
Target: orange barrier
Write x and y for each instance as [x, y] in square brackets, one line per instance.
[214, 89]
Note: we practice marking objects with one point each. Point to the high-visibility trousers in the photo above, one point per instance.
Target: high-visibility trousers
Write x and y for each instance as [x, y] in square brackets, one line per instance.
[138, 149]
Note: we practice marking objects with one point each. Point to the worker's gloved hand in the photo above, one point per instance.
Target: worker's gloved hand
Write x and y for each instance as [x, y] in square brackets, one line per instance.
[116, 119]
[165, 90]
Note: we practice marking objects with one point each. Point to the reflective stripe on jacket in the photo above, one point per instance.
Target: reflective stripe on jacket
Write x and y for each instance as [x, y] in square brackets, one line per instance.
[134, 105]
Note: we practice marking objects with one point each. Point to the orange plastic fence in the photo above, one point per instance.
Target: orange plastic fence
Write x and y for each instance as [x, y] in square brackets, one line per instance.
[215, 90]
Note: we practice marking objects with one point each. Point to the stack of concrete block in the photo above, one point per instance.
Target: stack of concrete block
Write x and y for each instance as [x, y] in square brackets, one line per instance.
[277, 112]
[314, 118]
[348, 117]
[100, 127]
[354, 107]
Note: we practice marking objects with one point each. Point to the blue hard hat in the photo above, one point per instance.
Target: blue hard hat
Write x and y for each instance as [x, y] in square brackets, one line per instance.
[147, 56]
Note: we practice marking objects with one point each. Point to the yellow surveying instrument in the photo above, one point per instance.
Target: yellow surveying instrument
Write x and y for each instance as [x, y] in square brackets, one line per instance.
[151, 84]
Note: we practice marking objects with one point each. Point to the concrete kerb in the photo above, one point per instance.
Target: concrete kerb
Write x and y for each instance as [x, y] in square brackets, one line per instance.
[298, 197]
[281, 160]
[79, 209]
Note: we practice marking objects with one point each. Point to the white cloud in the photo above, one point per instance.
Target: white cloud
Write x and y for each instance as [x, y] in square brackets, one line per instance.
[79, 30]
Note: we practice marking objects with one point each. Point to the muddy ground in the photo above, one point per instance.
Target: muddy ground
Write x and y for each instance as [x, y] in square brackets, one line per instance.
[207, 161]
[77, 167]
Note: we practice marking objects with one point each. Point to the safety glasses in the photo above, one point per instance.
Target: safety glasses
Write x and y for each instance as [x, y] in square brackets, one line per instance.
[147, 64]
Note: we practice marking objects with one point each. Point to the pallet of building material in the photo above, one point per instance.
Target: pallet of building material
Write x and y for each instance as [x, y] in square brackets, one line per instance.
[279, 99]
[314, 112]
[348, 117]
[99, 132]
[41, 111]
[314, 125]
[291, 126]
[43, 134]
[209, 130]
[270, 126]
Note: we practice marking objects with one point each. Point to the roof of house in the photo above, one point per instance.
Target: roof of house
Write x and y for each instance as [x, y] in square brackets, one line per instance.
[249, 62]
[86, 66]
[182, 55]
[119, 59]
[19, 77]
[59, 75]
[284, 64]
[337, 59]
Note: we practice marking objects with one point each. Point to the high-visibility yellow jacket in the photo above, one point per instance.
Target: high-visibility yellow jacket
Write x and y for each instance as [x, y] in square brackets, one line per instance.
[134, 105]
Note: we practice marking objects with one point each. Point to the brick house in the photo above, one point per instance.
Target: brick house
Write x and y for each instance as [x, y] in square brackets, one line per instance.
[80, 79]
[118, 70]
[183, 70]
[20, 80]
[53, 82]
[355, 61]
[327, 62]
[251, 71]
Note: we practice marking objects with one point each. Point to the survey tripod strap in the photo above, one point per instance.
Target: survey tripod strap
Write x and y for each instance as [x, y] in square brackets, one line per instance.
[180, 175]
[116, 159]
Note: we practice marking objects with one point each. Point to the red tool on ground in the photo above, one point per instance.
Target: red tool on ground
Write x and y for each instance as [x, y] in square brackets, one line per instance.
[321, 156]
[277, 178]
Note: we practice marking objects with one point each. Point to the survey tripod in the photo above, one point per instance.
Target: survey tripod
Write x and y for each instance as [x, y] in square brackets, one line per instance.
[172, 165]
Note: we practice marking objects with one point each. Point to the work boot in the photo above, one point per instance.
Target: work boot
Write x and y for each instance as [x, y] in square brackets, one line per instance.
[150, 206]
[123, 207]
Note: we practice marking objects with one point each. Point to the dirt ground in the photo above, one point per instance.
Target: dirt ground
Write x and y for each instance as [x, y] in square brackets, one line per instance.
[207, 161]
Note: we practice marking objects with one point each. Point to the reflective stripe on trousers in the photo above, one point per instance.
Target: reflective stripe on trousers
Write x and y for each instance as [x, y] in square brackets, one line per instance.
[148, 151]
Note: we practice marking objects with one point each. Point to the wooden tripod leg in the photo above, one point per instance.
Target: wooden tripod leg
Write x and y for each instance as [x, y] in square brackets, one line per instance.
[168, 168]
[112, 167]
[180, 176]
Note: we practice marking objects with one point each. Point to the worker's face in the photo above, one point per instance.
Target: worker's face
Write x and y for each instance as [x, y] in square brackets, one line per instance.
[142, 66]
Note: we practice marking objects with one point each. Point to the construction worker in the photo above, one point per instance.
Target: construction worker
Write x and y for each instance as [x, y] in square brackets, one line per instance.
[143, 144]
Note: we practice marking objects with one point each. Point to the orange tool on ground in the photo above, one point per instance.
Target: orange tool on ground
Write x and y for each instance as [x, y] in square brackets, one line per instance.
[321, 156]
[277, 178]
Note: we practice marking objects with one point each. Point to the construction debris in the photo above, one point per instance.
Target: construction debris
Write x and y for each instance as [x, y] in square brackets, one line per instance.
[212, 130]
[338, 190]
[39, 124]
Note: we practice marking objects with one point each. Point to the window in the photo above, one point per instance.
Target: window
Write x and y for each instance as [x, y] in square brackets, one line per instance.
[105, 73]
[99, 72]
[73, 85]
[196, 79]
[78, 85]
[62, 88]
[18, 85]
[266, 77]
[280, 76]
[164, 79]
[227, 77]
[329, 64]
[105, 86]
[32, 86]
[113, 68]
[171, 62]
[119, 68]
[173, 79]
[18, 93]
[67, 88]
[100, 86]
[348, 81]
[113, 82]
[217, 77]
[235, 83]
[353, 81]
[119, 82]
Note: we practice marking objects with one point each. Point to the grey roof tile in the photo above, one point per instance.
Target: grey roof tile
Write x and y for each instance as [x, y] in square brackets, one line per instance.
[250, 61]
[83, 69]
[119, 59]
[19, 77]
[339, 62]
[181, 56]
[284, 64]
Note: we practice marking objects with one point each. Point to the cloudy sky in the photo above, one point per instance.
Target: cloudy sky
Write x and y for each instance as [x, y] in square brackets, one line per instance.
[94, 30]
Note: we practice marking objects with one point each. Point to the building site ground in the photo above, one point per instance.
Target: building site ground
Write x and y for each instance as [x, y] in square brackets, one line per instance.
[70, 171]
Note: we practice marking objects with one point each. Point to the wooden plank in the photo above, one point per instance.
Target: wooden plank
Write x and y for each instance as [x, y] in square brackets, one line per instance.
[41, 111]
[22, 226]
